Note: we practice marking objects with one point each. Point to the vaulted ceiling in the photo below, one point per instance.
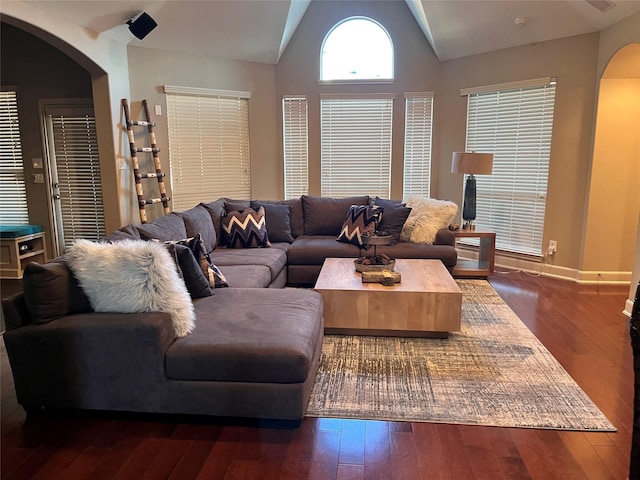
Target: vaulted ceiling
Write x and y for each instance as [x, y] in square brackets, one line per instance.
[259, 30]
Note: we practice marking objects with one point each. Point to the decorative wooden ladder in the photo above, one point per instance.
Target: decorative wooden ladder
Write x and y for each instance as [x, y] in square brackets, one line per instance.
[138, 176]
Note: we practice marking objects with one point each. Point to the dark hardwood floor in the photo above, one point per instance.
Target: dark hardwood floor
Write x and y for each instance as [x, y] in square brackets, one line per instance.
[581, 325]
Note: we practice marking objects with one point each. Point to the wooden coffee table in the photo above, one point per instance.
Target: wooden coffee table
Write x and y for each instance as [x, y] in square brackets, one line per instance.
[427, 302]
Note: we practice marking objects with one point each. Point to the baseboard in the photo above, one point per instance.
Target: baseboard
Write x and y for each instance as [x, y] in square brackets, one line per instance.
[555, 271]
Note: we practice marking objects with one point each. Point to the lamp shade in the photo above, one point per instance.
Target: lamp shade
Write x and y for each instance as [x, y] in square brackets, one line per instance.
[472, 162]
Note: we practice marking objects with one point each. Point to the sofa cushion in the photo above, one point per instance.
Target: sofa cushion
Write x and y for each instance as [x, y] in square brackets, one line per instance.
[250, 335]
[189, 270]
[325, 216]
[361, 220]
[127, 232]
[247, 276]
[446, 253]
[52, 291]
[278, 220]
[216, 212]
[198, 220]
[132, 276]
[312, 250]
[169, 227]
[273, 258]
[231, 205]
[394, 215]
[245, 229]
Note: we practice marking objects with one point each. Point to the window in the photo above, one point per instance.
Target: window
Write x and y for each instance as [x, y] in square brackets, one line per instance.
[208, 145]
[514, 122]
[13, 194]
[357, 48]
[295, 146]
[73, 155]
[355, 144]
[417, 144]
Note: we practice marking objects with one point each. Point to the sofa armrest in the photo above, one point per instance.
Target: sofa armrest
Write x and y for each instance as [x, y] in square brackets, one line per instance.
[445, 237]
[92, 360]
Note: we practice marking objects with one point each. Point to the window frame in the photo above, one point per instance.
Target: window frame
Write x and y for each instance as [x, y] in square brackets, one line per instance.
[364, 80]
[341, 155]
[231, 168]
[13, 194]
[418, 144]
[522, 233]
[295, 145]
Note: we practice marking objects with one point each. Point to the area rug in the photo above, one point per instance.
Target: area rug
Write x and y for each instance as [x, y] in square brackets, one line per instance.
[493, 372]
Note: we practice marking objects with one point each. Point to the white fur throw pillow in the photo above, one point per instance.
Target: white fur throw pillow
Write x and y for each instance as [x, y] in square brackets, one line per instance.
[427, 216]
[132, 276]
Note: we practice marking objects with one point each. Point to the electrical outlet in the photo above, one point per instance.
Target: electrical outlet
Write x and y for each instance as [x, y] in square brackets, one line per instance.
[552, 248]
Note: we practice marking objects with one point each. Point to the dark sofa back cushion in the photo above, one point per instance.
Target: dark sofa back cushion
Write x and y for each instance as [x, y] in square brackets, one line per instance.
[197, 220]
[52, 291]
[325, 216]
[169, 227]
[128, 232]
[216, 212]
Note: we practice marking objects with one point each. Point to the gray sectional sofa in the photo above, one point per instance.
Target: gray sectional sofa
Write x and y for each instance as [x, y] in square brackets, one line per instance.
[255, 348]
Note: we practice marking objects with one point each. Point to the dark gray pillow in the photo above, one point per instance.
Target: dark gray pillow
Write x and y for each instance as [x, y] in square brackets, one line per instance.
[325, 216]
[169, 227]
[297, 215]
[190, 271]
[394, 214]
[278, 219]
[52, 291]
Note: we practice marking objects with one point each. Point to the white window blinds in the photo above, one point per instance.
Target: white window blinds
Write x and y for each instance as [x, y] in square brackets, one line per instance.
[356, 144]
[514, 123]
[13, 194]
[75, 146]
[208, 145]
[295, 146]
[417, 144]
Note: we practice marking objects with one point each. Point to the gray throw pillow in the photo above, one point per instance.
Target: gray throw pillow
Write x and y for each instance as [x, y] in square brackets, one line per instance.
[189, 270]
[394, 214]
[278, 219]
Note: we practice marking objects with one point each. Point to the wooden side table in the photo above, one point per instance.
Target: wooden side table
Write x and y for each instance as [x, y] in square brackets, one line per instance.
[16, 252]
[483, 267]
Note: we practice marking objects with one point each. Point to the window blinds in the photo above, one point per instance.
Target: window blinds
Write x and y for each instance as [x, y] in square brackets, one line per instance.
[515, 125]
[417, 144]
[295, 142]
[13, 194]
[356, 144]
[208, 145]
[75, 146]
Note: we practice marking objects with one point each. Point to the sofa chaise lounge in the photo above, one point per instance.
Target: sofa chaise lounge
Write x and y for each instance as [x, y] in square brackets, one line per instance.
[255, 348]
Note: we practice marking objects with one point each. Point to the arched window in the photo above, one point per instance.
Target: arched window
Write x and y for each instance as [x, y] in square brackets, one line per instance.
[357, 48]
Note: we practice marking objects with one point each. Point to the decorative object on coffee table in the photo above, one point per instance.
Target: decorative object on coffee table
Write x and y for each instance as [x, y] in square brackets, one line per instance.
[388, 278]
[375, 262]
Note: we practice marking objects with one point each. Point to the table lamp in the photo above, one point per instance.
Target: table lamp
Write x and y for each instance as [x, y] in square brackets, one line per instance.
[471, 163]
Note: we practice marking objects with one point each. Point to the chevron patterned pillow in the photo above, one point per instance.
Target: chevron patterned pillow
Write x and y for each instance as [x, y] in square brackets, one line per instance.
[246, 229]
[361, 220]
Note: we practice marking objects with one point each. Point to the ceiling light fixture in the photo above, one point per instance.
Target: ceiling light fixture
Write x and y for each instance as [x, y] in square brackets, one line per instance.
[520, 21]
